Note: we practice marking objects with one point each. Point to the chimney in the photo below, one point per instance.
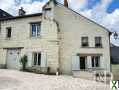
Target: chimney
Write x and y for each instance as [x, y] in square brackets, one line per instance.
[65, 3]
[21, 12]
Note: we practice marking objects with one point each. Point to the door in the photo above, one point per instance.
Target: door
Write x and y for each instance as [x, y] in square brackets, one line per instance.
[83, 63]
[13, 57]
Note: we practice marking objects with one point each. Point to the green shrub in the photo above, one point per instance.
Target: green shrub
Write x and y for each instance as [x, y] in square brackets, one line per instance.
[24, 61]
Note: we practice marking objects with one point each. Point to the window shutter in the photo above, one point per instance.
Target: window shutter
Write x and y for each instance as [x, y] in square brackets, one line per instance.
[75, 63]
[29, 53]
[43, 60]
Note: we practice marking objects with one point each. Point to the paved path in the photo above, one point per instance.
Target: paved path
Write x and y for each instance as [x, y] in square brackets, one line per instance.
[16, 80]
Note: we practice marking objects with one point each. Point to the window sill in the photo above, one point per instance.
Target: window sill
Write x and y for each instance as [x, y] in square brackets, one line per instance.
[92, 47]
[35, 37]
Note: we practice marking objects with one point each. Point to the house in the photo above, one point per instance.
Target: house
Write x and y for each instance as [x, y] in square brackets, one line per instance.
[58, 38]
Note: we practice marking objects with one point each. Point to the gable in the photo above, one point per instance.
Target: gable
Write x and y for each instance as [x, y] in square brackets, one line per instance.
[82, 17]
[76, 14]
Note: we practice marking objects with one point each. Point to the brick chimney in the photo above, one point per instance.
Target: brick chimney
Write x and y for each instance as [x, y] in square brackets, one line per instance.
[21, 12]
[65, 3]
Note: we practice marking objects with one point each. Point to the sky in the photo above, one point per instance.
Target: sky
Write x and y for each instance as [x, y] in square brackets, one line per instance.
[104, 12]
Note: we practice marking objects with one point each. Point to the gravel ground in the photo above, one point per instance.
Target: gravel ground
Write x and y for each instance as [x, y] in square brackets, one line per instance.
[16, 80]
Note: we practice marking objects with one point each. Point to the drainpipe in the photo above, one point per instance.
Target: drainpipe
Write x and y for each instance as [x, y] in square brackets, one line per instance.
[110, 33]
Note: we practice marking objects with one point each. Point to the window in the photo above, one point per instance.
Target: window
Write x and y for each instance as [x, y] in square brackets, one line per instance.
[95, 61]
[37, 58]
[98, 42]
[85, 42]
[35, 29]
[9, 32]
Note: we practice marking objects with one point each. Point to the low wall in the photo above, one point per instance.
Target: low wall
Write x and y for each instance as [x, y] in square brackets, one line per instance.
[115, 71]
[2, 66]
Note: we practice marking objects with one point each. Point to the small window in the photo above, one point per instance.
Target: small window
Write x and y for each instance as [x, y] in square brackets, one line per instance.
[98, 42]
[9, 30]
[95, 61]
[37, 58]
[35, 29]
[85, 42]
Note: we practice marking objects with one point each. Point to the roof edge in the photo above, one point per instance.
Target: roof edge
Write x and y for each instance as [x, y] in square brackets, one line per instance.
[18, 17]
[85, 17]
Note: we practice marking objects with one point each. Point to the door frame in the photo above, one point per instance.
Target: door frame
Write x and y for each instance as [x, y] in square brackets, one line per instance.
[10, 48]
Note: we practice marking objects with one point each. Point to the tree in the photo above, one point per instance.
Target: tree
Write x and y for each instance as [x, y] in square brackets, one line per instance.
[17, 2]
[24, 61]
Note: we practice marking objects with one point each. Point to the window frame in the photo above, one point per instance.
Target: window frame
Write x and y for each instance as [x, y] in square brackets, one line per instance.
[93, 59]
[37, 60]
[85, 44]
[37, 34]
[98, 44]
[7, 32]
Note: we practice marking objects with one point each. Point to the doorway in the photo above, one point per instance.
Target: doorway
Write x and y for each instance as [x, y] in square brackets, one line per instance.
[83, 62]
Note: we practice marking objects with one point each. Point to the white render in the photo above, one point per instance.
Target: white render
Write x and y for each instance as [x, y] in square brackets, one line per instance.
[59, 41]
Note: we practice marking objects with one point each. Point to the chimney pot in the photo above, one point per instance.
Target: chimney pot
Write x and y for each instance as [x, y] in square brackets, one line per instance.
[65, 3]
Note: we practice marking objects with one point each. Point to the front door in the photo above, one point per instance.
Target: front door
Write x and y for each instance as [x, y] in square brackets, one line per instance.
[13, 57]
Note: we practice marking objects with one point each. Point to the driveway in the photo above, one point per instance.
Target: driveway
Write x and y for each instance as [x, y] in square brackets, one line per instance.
[16, 80]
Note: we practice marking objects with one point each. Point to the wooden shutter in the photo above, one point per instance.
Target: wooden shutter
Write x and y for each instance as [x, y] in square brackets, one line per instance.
[43, 59]
[75, 63]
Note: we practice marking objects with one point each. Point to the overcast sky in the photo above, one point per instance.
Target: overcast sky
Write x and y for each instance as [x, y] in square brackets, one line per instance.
[104, 12]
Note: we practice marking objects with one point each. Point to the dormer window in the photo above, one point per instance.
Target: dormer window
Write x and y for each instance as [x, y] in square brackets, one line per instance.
[48, 14]
[47, 9]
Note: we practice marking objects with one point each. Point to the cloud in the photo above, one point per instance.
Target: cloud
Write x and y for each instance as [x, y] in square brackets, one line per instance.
[29, 6]
[35, 7]
[98, 12]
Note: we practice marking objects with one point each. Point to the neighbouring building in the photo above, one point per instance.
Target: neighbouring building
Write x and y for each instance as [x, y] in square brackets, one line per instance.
[58, 38]
[4, 14]
[114, 54]
[115, 61]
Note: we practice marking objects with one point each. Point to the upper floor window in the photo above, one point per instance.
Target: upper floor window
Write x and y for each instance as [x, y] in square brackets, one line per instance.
[98, 42]
[95, 61]
[35, 29]
[85, 42]
[9, 31]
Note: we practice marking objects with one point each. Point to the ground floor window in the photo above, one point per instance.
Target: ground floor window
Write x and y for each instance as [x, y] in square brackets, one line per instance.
[37, 58]
[95, 61]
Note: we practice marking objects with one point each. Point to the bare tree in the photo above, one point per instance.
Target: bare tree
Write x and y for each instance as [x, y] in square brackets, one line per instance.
[17, 2]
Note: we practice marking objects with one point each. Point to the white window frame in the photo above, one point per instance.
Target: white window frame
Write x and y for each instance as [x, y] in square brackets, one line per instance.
[95, 62]
[36, 59]
[38, 26]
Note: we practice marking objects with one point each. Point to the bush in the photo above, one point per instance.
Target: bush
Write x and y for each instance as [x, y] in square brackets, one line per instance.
[24, 61]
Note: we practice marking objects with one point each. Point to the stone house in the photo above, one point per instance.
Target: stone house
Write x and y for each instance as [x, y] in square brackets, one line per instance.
[58, 38]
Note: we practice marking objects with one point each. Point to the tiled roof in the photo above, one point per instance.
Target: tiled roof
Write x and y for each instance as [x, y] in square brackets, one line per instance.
[4, 14]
